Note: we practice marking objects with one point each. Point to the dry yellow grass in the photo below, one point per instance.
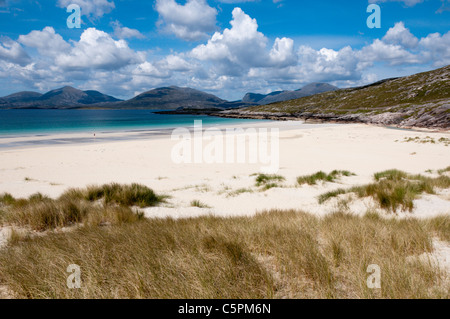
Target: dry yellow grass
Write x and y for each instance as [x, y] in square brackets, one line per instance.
[277, 254]
[91, 206]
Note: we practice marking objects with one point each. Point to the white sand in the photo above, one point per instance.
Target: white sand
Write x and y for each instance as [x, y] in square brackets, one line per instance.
[439, 257]
[304, 149]
[5, 233]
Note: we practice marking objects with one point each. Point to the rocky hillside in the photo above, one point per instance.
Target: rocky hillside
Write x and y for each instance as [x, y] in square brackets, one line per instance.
[420, 100]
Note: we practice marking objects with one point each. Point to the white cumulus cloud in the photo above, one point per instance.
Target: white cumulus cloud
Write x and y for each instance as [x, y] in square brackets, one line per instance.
[90, 8]
[122, 32]
[47, 42]
[436, 49]
[401, 35]
[392, 54]
[243, 46]
[409, 3]
[11, 51]
[97, 49]
[191, 21]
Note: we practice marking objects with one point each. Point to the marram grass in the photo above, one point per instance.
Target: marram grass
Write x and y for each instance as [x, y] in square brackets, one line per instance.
[277, 254]
[394, 189]
[109, 203]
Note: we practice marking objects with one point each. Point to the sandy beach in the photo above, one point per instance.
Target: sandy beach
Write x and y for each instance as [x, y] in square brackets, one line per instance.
[53, 163]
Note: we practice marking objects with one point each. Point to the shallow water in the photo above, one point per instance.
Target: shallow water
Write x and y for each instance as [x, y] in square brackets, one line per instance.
[42, 122]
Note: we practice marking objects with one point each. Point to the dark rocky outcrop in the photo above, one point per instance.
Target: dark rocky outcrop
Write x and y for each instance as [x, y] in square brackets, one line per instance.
[438, 118]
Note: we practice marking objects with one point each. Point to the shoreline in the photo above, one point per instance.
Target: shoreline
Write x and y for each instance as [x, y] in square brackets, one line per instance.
[21, 141]
[320, 119]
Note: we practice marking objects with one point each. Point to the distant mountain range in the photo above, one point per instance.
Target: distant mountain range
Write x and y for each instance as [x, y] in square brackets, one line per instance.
[64, 97]
[280, 96]
[165, 98]
[173, 97]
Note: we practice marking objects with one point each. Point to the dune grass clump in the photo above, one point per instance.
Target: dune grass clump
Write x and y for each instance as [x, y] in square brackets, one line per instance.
[391, 175]
[239, 191]
[199, 204]
[277, 254]
[322, 176]
[425, 140]
[394, 189]
[50, 214]
[45, 214]
[443, 171]
[7, 199]
[335, 193]
[268, 181]
[76, 206]
[126, 195]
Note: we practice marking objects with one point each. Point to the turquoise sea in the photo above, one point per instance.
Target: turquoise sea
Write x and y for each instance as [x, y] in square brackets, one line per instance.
[34, 122]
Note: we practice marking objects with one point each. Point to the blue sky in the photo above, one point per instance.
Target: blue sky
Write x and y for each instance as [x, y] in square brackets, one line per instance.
[225, 47]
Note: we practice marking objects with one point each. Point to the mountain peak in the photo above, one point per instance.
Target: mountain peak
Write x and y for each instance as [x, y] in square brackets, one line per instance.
[66, 88]
[66, 96]
[69, 88]
[173, 97]
[21, 96]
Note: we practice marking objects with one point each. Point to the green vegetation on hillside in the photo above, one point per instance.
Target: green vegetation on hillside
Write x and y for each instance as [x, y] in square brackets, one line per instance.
[394, 95]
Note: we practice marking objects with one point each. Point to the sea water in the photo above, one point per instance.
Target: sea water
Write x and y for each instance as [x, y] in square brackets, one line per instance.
[34, 122]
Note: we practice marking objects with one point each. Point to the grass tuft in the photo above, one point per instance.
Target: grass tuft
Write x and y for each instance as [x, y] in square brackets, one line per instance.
[126, 195]
[392, 175]
[199, 204]
[394, 189]
[445, 170]
[7, 199]
[239, 192]
[322, 176]
[268, 181]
